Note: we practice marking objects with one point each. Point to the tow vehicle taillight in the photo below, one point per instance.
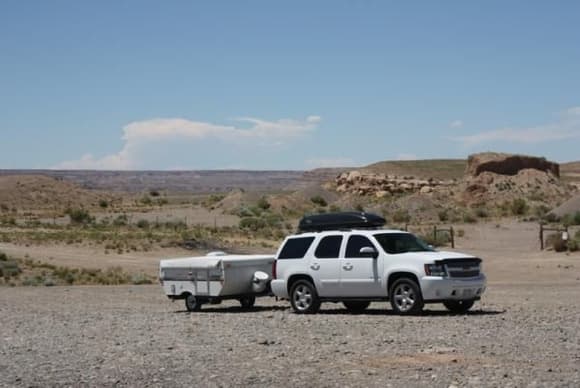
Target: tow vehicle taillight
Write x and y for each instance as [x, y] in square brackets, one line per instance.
[274, 270]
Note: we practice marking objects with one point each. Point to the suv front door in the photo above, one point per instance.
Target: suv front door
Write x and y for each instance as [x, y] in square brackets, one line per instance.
[359, 272]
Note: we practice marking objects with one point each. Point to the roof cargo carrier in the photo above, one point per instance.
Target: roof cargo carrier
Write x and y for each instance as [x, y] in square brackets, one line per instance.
[342, 220]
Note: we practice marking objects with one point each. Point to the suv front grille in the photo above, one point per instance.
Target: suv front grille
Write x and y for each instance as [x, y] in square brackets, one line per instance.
[463, 268]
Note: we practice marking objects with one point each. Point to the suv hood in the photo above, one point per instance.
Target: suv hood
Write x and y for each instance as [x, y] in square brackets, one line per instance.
[428, 257]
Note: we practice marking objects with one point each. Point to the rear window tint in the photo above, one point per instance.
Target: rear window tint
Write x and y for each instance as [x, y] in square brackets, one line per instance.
[295, 248]
[328, 247]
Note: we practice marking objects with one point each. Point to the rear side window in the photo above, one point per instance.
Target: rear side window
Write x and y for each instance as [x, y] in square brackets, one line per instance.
[295, 248]
[328, 247]
[355, 243]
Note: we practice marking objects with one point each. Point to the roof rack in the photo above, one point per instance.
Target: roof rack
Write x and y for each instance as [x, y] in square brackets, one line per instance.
[340, 221]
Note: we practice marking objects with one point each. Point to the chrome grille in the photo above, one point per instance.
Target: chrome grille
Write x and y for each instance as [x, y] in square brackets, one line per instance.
[463, 268]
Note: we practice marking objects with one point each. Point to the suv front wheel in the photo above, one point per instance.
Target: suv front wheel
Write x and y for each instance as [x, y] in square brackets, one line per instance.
[405, 297]
[304, 298]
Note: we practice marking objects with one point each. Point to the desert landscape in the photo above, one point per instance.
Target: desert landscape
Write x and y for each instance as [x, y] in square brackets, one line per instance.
[79, 303]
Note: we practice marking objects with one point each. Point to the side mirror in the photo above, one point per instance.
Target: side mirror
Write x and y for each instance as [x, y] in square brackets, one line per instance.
[369, 252]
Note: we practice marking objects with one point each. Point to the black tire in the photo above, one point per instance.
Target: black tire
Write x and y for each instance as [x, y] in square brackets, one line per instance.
[458, 306]
[192, 303]
[304, 298]
[247, 302]
[356, 306]
[405, 296]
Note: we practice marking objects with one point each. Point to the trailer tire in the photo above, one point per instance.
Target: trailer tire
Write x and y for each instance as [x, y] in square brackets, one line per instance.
[247, 302]
[192, 303]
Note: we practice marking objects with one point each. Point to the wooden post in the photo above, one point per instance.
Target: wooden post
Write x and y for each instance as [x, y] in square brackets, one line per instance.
[541, 237]
[452, 232]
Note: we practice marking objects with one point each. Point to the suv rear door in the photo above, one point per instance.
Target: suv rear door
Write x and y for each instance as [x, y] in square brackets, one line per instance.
[324, 266]
[360, 273]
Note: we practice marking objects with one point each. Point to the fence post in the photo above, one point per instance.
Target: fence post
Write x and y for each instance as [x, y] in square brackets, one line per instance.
[452, 232]
[541, 237]
[434, 234]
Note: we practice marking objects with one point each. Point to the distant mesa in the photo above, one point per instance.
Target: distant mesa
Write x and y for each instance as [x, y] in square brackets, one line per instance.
[508, 164]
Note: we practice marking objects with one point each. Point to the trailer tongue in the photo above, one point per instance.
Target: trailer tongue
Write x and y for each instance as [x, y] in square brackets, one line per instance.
[216, 277]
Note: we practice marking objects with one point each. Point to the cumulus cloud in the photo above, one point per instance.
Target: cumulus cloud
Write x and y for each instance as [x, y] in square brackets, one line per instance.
[456, 124]
[138, 134]
[566, 127]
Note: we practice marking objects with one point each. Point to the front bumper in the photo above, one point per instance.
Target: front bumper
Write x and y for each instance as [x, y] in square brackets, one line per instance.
[436, 288]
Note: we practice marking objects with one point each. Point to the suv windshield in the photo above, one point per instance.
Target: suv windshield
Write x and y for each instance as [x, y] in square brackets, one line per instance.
[402, 242]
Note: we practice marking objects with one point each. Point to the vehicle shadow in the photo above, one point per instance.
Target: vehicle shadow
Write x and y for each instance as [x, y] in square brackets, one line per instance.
[424, 313]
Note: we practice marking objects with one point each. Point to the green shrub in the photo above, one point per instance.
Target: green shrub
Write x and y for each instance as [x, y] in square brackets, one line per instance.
[318, 200]
[154, 193]
[146, 200]
[140, 278]
[556, 242]
[103, 203]
[443, 215]
[79, 216]
[263, 203]
[469, 218]
[143, 224]
[3, 256]
[519, 206]
[572, 245]
[481, 212]
[9, 269]
[551, 217]
[252, 223]
[443, 238]
[401, 216]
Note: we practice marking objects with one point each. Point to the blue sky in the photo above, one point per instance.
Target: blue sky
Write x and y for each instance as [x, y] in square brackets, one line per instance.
[284, 85]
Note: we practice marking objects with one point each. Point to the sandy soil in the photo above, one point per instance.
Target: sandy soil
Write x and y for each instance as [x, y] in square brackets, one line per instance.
[524, 332]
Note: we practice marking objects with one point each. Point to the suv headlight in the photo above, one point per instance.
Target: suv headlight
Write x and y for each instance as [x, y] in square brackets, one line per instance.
[435, 270]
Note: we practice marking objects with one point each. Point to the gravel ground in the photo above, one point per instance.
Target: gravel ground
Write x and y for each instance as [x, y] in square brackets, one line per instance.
[519, 335]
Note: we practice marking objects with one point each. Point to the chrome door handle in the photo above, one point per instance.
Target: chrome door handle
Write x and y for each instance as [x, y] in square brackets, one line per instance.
[315, 267]
[347, 267]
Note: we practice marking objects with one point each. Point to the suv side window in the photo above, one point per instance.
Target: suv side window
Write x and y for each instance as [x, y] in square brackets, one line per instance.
[295, 248]
[328, 247]
[355, 243]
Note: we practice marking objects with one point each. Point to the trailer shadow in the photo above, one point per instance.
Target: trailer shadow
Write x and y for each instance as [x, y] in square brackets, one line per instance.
[234, 310]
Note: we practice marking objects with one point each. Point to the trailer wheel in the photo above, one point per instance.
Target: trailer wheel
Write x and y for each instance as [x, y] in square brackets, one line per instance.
[247, 302]
[192, 303]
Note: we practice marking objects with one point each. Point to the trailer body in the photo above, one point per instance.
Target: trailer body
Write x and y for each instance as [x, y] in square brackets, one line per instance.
[216, 276]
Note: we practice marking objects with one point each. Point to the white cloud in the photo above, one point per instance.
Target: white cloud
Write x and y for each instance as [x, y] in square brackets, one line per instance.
[405, 156]
[566, 127]
[456, 124]
[140, 133]
[330, 162]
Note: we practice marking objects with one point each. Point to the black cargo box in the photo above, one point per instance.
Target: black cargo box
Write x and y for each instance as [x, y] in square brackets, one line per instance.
[342, 220]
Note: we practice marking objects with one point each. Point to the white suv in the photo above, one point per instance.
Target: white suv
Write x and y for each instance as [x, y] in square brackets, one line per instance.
[358, 266]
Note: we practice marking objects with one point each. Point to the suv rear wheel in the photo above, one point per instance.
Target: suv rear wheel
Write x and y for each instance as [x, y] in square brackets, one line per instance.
[304, 298]
[405, 297]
